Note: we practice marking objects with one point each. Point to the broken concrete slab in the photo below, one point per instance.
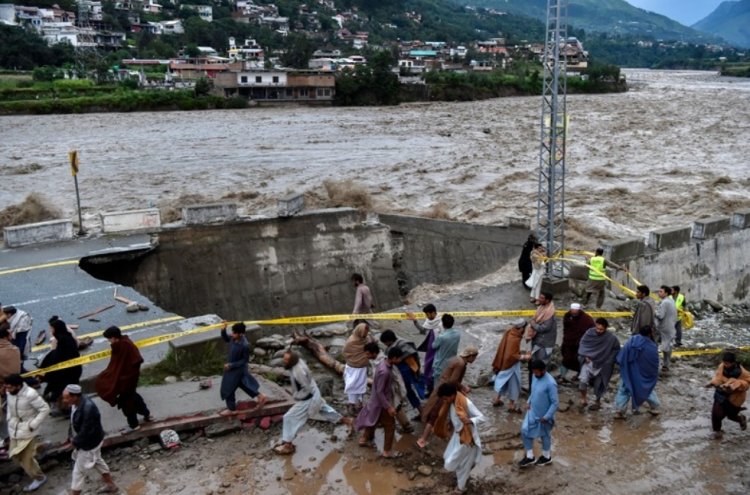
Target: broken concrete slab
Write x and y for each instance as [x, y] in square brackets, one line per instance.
[669, 238]
[183, 407]
[291, 204]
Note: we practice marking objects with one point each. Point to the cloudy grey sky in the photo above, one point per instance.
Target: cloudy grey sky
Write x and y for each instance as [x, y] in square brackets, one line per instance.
[685, 11]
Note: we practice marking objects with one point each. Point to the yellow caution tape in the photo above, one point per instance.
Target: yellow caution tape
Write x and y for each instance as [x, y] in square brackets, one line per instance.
[97, 356]
[38, 267]
[295, 320]
[704, 352]
[685, 316]
[124, 329]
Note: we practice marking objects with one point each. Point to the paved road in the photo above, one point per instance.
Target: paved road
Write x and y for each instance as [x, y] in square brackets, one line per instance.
[45, 280]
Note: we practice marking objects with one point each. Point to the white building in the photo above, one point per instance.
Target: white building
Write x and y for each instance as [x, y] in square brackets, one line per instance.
[205, 12]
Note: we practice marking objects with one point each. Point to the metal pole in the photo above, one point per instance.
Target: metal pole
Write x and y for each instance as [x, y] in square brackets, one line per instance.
[78, 200]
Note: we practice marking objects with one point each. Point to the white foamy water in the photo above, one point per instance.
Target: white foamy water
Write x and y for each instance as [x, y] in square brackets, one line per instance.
[672, 149]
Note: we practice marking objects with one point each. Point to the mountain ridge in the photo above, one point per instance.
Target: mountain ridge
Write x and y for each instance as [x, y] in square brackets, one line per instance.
[730, 20]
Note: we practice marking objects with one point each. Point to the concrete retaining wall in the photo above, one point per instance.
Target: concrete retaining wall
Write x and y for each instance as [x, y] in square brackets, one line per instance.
[146, 220]
[440, 252]
[267, 268]
[713, 264]
[302, 264]
[213, 213]
[35, 233]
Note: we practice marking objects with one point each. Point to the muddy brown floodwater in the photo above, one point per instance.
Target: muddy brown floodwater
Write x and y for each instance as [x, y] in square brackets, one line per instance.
[670, 150]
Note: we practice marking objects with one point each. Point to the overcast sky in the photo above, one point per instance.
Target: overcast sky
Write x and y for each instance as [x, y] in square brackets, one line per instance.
[685, 11]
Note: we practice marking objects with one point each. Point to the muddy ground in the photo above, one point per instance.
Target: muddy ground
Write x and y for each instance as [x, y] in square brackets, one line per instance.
[592, 452]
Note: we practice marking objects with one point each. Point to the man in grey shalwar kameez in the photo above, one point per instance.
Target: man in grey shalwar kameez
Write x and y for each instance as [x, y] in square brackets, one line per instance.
[666, 319]
[308, 403]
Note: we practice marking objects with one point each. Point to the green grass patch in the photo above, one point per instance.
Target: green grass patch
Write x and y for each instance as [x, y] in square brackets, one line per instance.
[207, 361]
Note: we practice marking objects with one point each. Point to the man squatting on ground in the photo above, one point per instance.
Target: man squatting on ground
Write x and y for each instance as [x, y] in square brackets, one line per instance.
[730, 382]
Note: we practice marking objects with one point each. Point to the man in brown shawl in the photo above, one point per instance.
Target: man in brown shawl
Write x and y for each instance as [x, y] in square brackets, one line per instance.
[357, 359]
[453, 373]
[117, 383]
[575, 323]
[507, 366]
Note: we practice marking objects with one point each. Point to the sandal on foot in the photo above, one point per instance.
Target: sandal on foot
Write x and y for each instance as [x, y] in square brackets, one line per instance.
[284, 449]
[498, 403]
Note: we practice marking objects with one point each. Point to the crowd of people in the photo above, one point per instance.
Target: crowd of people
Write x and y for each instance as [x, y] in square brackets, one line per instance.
[429, 378]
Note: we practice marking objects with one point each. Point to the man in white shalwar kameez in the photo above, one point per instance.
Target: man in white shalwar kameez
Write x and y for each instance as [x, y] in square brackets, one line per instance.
[464, 448]
[308, 403]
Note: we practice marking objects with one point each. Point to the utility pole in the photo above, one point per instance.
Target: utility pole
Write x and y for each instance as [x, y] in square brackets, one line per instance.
[73, 157]
[551, 199]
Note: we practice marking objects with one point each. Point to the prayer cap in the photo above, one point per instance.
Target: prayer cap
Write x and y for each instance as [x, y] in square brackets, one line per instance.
[73, 389]
[575, 306]
[519, 323]
[469, 351]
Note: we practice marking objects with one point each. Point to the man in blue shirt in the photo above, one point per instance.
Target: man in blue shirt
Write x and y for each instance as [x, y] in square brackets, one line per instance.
[540, 415]
[445, 345]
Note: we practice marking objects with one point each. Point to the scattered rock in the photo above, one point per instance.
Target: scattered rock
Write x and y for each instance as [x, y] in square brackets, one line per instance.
[270, 343]
[170, 379]
[714, 305]
[142, 307]
[154, 447]
[265, 423]
[260, 352]
[289, 476]
[425, 470]
[487, 130]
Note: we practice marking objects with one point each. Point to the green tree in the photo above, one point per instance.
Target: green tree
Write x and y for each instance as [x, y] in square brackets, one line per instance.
[298, 50]
[203, 86]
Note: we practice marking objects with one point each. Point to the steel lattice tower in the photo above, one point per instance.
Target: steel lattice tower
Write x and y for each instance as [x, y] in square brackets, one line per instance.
[551, 202]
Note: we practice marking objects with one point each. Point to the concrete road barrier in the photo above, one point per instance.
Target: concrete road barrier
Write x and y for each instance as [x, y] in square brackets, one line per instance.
[35, 233]
[145, 220]
[741, 219]
[625, 249]
[211, 213]
[291, 205]
[710, 227]
[669, 238]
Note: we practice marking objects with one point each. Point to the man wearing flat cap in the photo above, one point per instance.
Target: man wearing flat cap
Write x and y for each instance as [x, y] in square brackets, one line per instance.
[86, 436]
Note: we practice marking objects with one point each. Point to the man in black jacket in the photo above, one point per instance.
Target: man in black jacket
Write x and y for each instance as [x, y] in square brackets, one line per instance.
[86, 435]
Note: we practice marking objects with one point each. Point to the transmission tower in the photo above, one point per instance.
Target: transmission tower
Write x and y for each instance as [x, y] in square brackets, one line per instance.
[551, 201]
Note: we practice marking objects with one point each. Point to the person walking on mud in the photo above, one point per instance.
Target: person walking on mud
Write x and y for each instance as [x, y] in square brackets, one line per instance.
[117, 384]
[236, 374]
[540, 416]
[379, 410]
[308, 403]
[730, 382]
